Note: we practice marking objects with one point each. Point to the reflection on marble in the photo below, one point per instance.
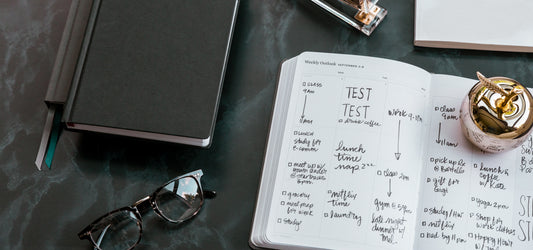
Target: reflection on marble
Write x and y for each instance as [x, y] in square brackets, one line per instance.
[93, 173]
[28, 37]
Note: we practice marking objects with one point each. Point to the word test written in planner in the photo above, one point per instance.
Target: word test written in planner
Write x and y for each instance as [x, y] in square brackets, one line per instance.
[368, 153]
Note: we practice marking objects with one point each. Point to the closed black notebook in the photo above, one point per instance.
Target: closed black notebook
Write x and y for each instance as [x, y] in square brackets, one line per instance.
[152, 69]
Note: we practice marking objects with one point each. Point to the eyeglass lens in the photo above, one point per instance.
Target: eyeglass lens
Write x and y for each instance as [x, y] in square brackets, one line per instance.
[119, 230]
[179, 200]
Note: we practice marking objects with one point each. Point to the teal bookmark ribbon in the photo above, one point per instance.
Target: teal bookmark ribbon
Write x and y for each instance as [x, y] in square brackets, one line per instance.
[54, 137]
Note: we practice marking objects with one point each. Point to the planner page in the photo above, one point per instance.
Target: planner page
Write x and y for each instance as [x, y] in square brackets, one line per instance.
[348, 170]
[471, 199]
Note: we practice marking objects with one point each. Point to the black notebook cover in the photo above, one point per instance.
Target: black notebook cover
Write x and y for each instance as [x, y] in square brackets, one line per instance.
[152, 69]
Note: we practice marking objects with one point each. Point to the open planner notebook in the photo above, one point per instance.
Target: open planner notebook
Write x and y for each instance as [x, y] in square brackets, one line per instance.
[368, 153]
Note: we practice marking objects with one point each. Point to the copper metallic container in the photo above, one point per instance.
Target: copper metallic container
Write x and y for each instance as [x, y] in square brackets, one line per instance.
[496, 115]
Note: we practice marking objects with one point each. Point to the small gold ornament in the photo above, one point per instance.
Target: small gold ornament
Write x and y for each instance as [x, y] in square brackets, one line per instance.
[496, 115]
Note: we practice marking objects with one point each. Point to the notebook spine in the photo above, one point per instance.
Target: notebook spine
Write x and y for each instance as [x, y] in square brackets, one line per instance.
[68, 51]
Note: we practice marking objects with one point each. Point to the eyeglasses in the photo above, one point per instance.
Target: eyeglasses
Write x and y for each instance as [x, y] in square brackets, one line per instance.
[175, 201]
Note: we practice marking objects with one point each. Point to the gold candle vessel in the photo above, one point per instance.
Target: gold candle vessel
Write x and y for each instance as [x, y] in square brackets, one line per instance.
[496, 115]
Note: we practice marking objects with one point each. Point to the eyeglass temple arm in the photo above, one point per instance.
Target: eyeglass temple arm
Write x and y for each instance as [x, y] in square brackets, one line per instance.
[209, 194]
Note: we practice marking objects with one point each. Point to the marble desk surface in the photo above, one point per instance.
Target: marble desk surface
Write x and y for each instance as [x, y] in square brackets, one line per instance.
[94, 173]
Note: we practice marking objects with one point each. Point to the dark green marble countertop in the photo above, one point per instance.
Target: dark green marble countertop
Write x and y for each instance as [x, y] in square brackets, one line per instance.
[94, 173]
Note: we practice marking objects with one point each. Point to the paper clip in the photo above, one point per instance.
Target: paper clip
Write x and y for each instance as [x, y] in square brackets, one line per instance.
[363, 15]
